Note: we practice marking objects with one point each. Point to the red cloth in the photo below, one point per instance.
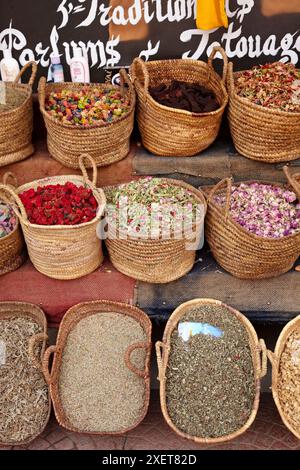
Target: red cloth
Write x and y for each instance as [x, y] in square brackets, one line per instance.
[55, 297]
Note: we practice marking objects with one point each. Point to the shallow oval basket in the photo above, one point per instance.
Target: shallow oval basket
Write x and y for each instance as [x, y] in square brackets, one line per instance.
[164, 349]
[111, 394]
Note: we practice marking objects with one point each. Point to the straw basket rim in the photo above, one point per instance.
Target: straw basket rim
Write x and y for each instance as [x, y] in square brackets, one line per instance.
[72, 318]
[42, 83]
[255, 107]
[275, 359]
[28, 310]
[259, 367]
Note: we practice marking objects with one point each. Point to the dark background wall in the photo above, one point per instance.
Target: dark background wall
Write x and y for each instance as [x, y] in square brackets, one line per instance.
[34, 29]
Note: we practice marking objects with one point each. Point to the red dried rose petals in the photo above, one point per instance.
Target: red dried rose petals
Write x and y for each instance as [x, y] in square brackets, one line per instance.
[57, 204]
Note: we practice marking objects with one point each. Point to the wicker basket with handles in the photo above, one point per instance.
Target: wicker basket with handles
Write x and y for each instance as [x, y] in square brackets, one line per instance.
[72, 318]
[164, 348]
[61, 251]
[259, 133]
[105, 142]
[173, 132]
[16, 116]
[244, 254]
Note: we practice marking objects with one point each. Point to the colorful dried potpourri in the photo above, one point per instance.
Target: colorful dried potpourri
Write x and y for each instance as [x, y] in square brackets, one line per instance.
[275, 86]
[57, 204]
[8, 220]
[263, 209]
[210, 384]
[187, 96]
[150, 205]
[87, 107]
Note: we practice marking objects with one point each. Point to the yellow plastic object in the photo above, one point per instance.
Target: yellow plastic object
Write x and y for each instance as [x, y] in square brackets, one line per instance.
[211, 14]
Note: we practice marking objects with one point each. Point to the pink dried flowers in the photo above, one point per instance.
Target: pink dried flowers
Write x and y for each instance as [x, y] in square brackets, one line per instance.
[275, 86]
[263, 209]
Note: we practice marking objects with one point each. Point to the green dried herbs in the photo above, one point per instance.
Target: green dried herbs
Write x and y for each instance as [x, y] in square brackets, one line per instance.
[24, 401]
[210, 384]
[275, 86]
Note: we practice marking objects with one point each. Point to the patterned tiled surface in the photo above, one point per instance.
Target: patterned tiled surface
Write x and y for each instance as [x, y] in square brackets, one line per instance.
[267, 432]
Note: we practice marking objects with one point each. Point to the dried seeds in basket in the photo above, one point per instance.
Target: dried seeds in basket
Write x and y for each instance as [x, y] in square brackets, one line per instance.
[275, 86]
[288, 386]
[263, 209]
[98, 393]
[151, 203]
[8, 220]
[87, 107]
[24, 403]
[210, 384]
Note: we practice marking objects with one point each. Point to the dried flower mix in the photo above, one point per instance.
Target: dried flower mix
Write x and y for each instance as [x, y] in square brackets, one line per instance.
[24, 401]
[288, 386]
[210, 385]
[87, 107]
[263, 209]
[275, 86]
[8, 220]
[59, 204]
[97, 391]
[187, 96]
[151, 204]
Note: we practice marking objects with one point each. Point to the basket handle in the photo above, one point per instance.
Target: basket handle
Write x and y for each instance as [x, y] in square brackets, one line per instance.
[139, 63]
[33, 64]
[230, 80]
[159, 346]
[141, 345]
[42, 92]
[16, 203]
[33, 341]
[223, 182]
[263, 358]
[291, 180]
[83, 168]
[125, 80]
[9, 175]
[225, 60]
[45, 363]
[272, 358]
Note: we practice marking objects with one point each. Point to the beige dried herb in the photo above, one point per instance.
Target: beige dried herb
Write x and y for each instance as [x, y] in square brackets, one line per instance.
[289, 380]
[97, 391]
[24, 402]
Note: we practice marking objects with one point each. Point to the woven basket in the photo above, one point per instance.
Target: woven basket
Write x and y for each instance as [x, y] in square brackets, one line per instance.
[21, 309]
[12, 246]
[61, 251]
[241, 253]
[274, 358]
[16, 116]
[173, 132]
[259, 133]
[155, 260]
[70, 320]
[163, 351]
[105, 142]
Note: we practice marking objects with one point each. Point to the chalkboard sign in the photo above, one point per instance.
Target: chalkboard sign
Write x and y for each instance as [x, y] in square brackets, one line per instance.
[112, 32]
